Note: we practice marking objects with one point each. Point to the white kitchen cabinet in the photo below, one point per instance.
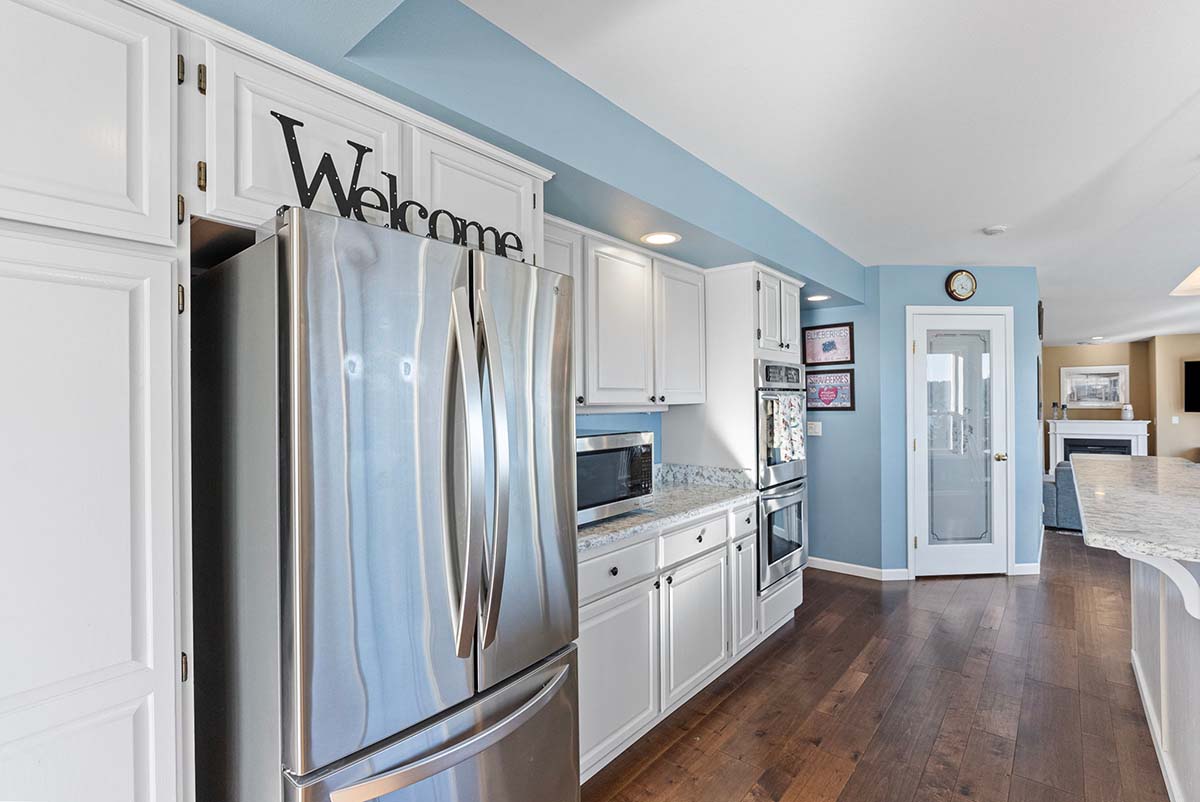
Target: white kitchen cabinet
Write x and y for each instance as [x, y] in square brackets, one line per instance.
[679, 342]
[618, 669]
[618, 325]
[770, 331]
[249, 172]
[564, 252]
[474, 187]
[91, 661]
[789, 316]
[87, 139]
[743, 562]
[695, 624]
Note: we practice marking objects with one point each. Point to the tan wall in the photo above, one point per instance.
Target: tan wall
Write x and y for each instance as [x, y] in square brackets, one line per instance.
[1174, 439]
[1135, 355]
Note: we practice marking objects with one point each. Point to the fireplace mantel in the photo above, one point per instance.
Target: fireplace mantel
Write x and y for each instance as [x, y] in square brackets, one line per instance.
[1135, 431]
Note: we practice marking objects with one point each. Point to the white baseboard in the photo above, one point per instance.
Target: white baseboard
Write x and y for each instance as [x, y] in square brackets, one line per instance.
[865, 571]
[1024, 569]
[1170, 778]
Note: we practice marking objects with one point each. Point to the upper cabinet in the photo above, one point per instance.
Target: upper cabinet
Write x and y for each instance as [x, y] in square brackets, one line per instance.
[265, 124]
[777, 312]
[564, 253]
[618, 325]
[475, 187]
[679, 344]
[87, 137]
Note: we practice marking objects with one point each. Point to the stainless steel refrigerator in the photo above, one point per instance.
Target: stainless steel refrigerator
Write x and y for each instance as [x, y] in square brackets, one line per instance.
[384, 521]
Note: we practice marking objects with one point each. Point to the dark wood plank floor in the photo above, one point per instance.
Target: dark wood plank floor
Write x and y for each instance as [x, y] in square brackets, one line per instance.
[988, 688]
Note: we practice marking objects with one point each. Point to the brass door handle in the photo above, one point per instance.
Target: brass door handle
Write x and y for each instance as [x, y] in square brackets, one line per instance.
[1001, 457]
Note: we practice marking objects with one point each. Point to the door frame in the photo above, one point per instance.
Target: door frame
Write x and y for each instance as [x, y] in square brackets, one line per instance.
[911, 313]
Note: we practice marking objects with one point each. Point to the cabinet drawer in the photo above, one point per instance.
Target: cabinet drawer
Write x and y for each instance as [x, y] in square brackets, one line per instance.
[782, 601]
[745, 521]
[611, 571]
[679, 546]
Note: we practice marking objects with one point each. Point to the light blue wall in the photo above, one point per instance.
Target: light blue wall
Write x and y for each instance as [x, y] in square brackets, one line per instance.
[624, 422]
[844, 524]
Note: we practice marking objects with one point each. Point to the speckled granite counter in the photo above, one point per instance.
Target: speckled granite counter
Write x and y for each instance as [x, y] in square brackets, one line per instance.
[672, 504]
[1145, 505]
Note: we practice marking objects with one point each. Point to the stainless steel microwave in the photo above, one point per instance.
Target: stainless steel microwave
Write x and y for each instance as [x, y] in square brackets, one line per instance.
[614, 473]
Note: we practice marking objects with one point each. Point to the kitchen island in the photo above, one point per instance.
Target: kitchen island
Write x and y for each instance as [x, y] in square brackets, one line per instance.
[1148, 509]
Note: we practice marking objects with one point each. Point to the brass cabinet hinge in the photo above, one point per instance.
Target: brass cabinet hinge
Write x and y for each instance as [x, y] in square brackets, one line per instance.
[914, 346]
[179, 209]
[183, 667]
[180, 71]
[914, 541]
[202, 78]
[179, 298]
[202, 175]
[914, 444]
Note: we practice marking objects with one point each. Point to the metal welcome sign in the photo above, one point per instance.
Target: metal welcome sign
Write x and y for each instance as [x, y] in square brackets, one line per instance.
[351, 204]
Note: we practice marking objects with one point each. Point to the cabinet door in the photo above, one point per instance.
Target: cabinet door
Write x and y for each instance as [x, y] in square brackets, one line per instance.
[679, 346]
[474, 187]
[618, 669]
[564, 253]
[88, 676]
[86, 142]
[695, 628]
[619, 325]
[789, 317]
[770, 332]
[250, 172]
[744, 562]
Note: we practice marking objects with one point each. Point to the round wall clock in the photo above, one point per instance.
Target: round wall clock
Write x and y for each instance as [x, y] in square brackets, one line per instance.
[961, 285]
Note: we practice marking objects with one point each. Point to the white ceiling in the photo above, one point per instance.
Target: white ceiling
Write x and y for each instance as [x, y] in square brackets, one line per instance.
[896, 130]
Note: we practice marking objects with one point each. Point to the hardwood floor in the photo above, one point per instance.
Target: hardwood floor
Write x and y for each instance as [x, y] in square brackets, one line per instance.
[997, 689]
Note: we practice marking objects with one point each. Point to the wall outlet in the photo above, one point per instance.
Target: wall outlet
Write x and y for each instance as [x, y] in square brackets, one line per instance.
[1175, 419]
[814, 428]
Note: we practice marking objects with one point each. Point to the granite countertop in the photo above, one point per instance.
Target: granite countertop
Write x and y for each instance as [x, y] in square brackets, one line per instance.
[671, 504]
[1141, 505]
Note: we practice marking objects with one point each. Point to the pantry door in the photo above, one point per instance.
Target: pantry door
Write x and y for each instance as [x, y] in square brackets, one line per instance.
[960, 477]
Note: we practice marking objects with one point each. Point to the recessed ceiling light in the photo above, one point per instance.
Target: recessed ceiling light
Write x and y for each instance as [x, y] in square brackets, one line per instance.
[993, 231]
[1098, 337]
[1190, 285]
[661, 238]
[818, 297]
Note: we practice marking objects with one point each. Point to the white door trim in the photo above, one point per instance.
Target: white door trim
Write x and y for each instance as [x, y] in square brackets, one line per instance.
[911, 313]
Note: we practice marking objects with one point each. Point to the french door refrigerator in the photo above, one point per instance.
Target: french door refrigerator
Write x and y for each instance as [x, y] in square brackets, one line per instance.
[384, 521]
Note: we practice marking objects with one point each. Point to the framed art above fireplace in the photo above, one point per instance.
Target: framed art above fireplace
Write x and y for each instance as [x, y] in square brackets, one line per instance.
[1097, 387]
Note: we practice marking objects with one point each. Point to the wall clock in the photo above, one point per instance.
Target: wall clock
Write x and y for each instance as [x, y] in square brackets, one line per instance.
[961, 285]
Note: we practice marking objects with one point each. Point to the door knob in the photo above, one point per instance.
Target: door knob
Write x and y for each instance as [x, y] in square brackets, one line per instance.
[1001, 457]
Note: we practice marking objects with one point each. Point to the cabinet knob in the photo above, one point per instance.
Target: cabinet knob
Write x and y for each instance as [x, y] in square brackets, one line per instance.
[668, 580]
[747, 519]
[700, 538]
[614, 571]
[739, 547]
[657, 584]
[781, 344]
[662, 398]
[651, 399]
[578, 399]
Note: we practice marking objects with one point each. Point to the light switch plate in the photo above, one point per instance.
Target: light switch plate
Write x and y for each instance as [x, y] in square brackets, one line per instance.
[814, 428]
[1174, 419]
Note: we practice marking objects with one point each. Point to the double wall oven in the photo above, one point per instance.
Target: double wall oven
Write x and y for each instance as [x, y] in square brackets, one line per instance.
[782, 471]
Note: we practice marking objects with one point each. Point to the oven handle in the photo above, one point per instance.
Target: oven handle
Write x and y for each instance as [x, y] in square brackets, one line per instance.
[772, 502]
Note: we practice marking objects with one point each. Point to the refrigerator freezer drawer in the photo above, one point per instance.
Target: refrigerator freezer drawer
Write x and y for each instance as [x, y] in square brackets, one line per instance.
[518, 743]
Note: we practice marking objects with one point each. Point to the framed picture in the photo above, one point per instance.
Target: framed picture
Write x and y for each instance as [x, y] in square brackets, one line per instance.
[1099, 387]
[829, 345]
[830, 389]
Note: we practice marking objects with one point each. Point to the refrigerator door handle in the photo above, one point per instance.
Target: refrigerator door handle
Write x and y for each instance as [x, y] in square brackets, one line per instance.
[438, 762]
[468, 365]
[489, 342]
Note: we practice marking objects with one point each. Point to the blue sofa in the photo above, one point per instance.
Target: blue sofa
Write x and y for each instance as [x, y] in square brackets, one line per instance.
[1060, 505]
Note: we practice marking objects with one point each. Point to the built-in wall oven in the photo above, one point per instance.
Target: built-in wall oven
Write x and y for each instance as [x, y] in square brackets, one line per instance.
[782, 532]
[781, 423]
[614, 473]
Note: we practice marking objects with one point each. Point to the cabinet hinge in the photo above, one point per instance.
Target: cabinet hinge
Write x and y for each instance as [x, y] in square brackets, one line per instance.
[914, 444]
[758, 334]
[180, 71]
[179, 209]
[202, 78]
[183, 667]
[202, 175]
[914, 346]
[914, 541]
[757, 285]
[179, 296]
[535, 200]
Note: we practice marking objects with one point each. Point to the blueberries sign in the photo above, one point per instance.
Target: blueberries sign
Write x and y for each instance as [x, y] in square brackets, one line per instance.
[350, 204]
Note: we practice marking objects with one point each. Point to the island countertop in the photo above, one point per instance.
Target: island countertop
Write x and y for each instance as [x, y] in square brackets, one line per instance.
[1144, 505]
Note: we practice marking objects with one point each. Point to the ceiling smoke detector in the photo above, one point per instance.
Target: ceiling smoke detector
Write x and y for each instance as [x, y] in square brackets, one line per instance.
[994, 231]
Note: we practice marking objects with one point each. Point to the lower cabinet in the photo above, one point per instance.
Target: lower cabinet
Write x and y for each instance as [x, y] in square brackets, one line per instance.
[695, 624]
[618, 668]
[743, 560]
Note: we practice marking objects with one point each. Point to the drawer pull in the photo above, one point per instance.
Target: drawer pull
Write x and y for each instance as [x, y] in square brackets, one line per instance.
[747, 519]
[739, 548]
[700, 538]
[657, 584]
[668, 580]
[614, 571]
